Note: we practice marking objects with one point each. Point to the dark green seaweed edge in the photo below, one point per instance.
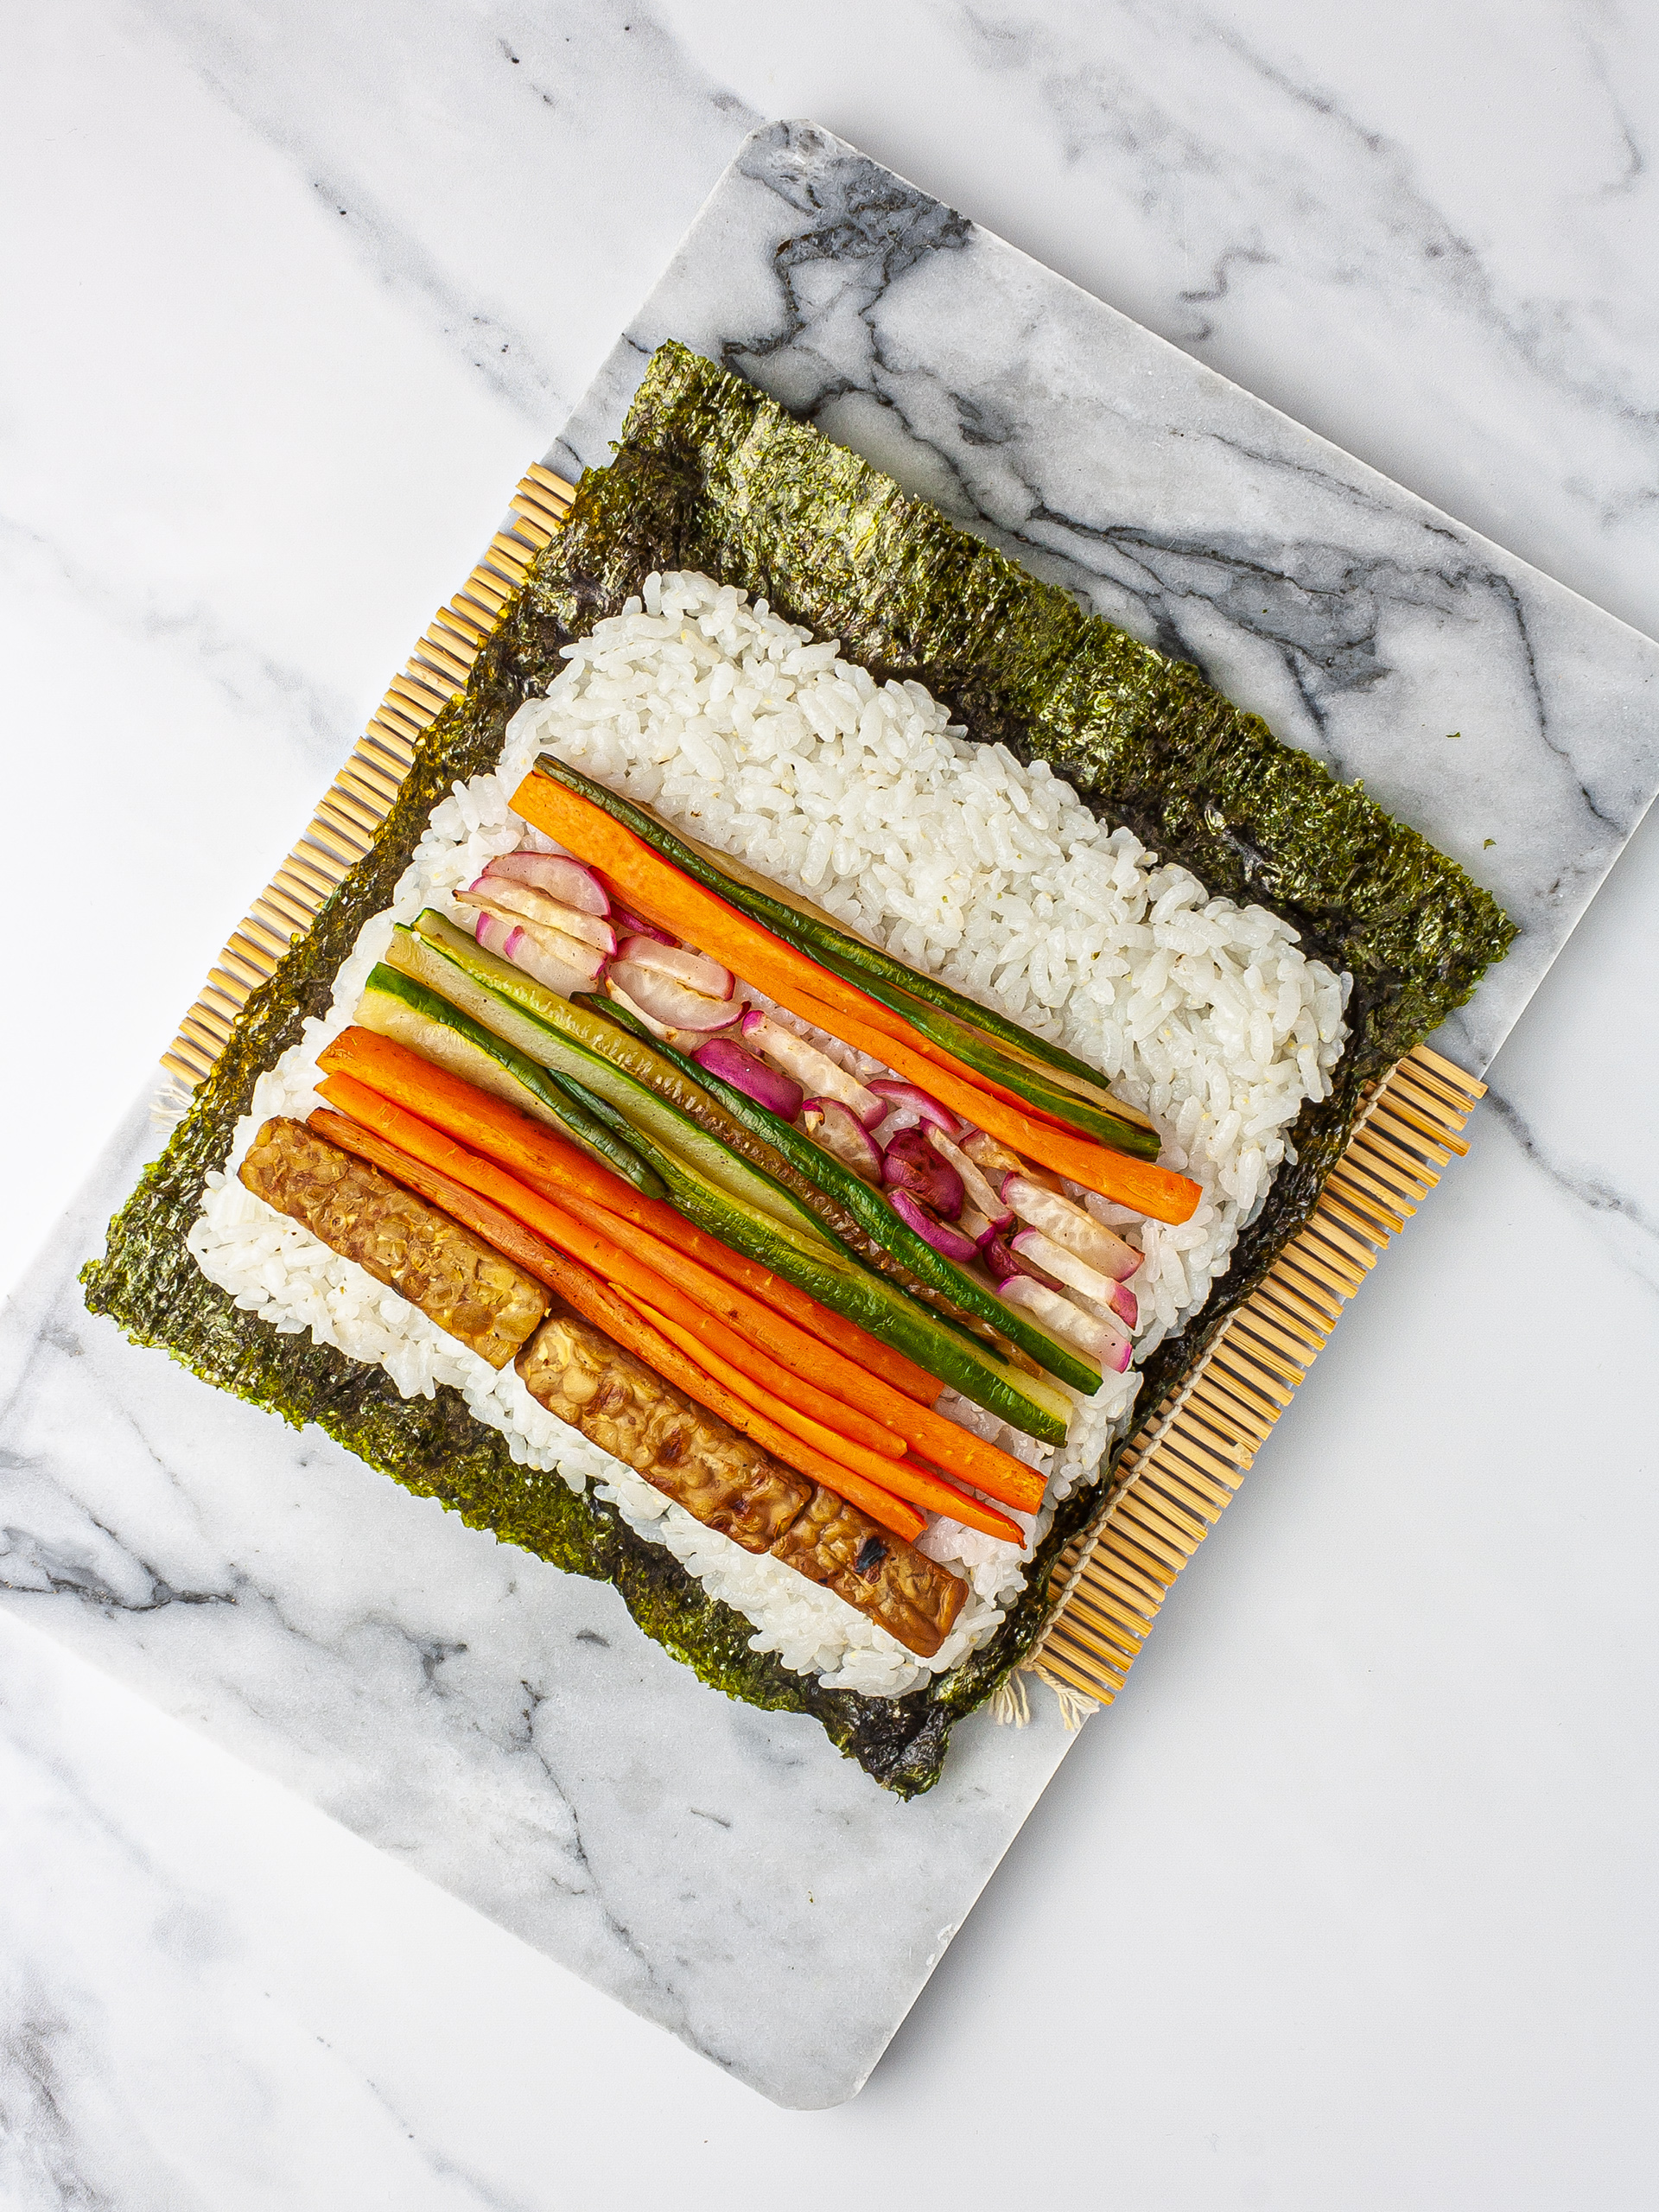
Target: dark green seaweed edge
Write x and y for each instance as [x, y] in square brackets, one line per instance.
[711, 474]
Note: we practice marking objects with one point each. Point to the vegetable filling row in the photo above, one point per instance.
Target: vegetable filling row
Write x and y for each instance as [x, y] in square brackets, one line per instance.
[566, 1138]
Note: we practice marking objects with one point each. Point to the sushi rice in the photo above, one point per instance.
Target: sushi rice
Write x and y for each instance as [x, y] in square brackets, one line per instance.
[741, 730]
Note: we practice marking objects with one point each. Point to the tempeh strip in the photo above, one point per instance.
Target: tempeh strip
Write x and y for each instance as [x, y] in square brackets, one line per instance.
[909, 1594]
[472, 1291]
[722, 1480]
[595, 1300]
[419, 1140]
[905, 1478]
[584, 1379]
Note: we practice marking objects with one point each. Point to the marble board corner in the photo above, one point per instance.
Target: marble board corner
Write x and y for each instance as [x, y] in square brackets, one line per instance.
[1508, 719]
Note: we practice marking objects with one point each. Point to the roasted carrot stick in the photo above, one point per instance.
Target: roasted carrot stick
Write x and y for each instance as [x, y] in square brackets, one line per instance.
[550, 1164]
[967, 1457]
[424, 1142]
[664, 894]
[667, 1278]
[905, 1478]
[598, 1302]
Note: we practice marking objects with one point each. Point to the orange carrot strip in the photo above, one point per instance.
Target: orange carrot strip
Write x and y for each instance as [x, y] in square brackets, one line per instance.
[666, 895]
[905, 1478]
[424, 1142]
[966, 1455]
[669, 1279]
[599, 1303]
[559, 1169]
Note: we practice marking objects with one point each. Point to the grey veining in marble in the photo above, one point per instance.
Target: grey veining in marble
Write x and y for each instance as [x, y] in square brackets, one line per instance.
[502, 1728]
[1512, 722]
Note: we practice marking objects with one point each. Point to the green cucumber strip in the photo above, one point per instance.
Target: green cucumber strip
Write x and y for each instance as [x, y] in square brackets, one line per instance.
[873, 1212]
[398, 1006]
[839, 1280]
[960, 1025]
[710, 1185]
[432, 959]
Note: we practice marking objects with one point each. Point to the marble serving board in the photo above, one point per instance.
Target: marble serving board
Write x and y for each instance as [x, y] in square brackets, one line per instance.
[503, 1727]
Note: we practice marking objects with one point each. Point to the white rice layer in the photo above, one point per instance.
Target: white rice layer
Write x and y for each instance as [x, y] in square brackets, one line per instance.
[995, 876]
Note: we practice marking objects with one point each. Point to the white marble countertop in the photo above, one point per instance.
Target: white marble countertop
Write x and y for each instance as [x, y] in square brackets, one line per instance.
[266, 260]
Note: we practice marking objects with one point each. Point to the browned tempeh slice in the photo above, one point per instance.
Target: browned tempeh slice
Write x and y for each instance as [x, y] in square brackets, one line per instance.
[615, 1399]
[731, 1484]
[911, 1596]
[454, 1278]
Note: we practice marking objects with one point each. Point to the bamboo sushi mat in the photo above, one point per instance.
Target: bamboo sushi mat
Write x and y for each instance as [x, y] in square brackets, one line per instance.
[1191, 1453]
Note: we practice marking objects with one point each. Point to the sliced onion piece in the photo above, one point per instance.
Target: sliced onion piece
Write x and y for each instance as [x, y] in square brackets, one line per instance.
[939, 1234]
[1003, 1261]
[1071, 1225]
[977, 1186]
[996, 1160]
[723, 1057]
[657, 1028]
[972, 1222]
[523, 898]
[815, 1071]
[1101, 1338]
[1037, 1249]
[684, 1041]
[521, 943]
[694, 969]
[908, 1099]
[571, 882]
[584, 959]
[664, 998]
[842, 1136]
[629, 924]
[910, 1163]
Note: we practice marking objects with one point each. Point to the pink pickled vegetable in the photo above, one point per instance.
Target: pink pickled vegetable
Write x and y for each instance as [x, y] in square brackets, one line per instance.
[1071, 1225]
[1053, 1260]
[910, 1163]
[980, 1191]
[691, 969]
[512, 897]
[814, 1070]
[663, 999]
[520, 942]
[926, 1223]
[779, 1094]
[840, 1133]
[1100, 1339]
[907, 1099]
[568, 882]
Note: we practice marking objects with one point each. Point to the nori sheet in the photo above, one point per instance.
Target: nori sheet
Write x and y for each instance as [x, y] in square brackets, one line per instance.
[711, 474]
